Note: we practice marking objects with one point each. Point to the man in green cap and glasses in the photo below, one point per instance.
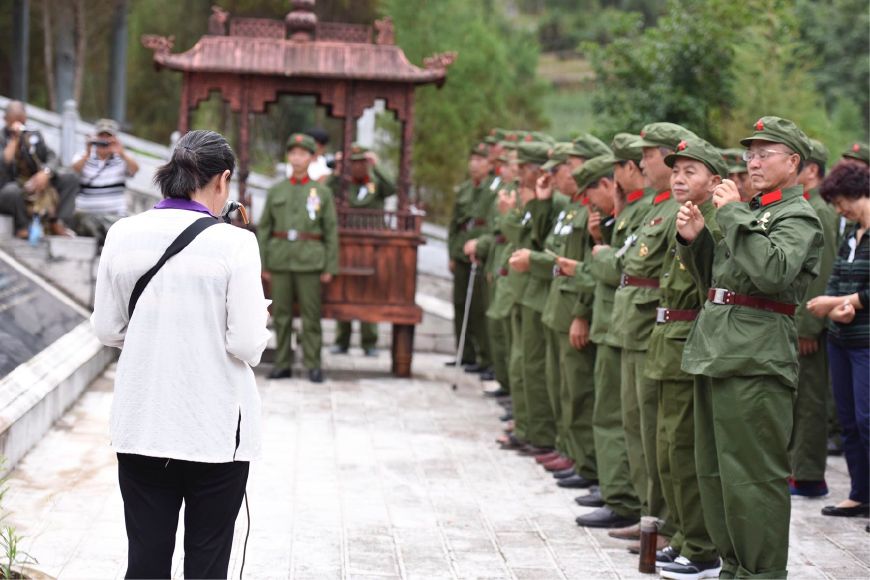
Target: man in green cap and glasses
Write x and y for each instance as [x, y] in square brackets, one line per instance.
[298, 237]
[743, 347]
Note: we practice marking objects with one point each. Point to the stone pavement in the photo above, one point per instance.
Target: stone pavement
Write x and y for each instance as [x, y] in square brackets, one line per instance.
[367, 476]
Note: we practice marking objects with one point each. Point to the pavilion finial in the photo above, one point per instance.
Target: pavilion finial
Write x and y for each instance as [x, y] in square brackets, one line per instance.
[301, 21]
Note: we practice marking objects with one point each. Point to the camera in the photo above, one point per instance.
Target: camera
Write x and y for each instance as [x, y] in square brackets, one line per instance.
[330, 160]
[98, 143]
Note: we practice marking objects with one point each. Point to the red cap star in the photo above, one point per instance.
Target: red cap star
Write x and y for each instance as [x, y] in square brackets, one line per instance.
[856, 147]
[298, 138]
[682, 145]
[643, 134]
[759, 125]
[529, 138]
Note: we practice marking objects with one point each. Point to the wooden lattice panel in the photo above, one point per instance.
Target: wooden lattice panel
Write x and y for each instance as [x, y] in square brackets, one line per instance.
[257, 27]
[341, 32]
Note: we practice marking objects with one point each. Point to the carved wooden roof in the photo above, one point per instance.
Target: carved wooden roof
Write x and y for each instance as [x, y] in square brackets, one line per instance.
[299, 47]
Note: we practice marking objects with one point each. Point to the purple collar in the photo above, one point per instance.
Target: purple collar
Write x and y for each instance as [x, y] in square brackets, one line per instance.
[188, 204]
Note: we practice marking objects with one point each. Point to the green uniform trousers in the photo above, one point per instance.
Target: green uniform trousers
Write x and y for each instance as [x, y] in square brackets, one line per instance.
[677, 472]
[553, 371]
[368, 334]
[614, 476]
[742, 428]
[809, 439]
[515, 370]
[499, 333]
[541, 421]
[476, 342]
[304, 288]
[578, 404]
[639, 414]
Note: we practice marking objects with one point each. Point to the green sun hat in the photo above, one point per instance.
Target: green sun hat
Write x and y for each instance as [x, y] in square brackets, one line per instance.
[734, 158]
[588, 146]
[495, 136]
[301, 140]
[818, 153]
[626, 147]
[358, 152]
[481, 149]
[859, 151]
[533, 152]
[779, 130]
[557, 155]
[664, 135]
[593, 170]
[702, 151]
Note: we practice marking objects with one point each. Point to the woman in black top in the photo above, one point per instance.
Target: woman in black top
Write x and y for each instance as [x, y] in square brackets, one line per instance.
[847, 306]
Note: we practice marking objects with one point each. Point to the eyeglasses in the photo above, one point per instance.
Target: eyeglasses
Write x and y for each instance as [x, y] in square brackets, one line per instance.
[762, 154]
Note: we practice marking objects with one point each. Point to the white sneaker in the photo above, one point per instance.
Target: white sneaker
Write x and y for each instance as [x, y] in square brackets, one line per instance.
[684, 569]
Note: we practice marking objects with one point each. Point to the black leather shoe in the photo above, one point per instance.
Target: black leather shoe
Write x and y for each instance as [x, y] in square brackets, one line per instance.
[505, 402]
[452, 363]
[371, 352]
[499, 392]
[564, 473]
[487, 375]
[576, 482]
[592, 499]
[474, 368]
[315, 375]
[533, 450]
[859, 511]
[510, 443]
[337, 349]
[506, 417]
[280, 374]
[835, 449]
[604, 517]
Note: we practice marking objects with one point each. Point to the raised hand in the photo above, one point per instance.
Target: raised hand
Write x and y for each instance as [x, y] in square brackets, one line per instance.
[594, 226]
[520, 260]
[544, 187]
[690, 222]
[725, 193]
[507, 200]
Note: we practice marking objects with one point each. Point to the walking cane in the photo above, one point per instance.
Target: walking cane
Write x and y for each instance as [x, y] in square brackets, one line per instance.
[468, 294]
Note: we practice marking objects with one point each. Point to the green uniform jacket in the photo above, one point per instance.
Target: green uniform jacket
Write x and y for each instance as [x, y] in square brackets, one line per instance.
[772, 251]
[679, 291]
[469, 221]
[808, 326]
[544, 214]
[634, 307]
[606, 267]
[510, 284]
[369, 193]
[306, 208]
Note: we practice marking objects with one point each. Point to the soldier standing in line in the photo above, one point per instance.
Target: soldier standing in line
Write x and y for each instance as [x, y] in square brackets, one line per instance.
[369, 189]
[470, 210]
[298, 237]
[743, 347]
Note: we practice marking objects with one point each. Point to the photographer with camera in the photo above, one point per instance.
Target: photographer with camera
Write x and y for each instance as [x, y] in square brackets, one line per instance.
[31, 181]
[103, 171]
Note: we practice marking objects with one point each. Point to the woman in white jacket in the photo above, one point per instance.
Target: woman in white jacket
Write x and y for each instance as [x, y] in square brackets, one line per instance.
[186, 412]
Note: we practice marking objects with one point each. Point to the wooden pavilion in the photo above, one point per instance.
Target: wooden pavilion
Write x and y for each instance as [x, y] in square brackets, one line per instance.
[346, 67]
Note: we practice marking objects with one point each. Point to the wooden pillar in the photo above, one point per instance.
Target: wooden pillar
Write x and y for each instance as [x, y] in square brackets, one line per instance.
[184, 108]
[405, 158]
[349, 133]
[403, 349]
[244, 143]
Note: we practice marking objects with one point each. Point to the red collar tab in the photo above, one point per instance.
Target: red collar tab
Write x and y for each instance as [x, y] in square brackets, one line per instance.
[806, 194]
[363, 181]
[476, 182]
[663, 196]
[634, 196]
[772, 197]
[585, 200]
[303, 181]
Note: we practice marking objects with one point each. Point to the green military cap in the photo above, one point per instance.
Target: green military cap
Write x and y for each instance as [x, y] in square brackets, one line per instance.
[779, 130]
[594, 169]
[859, 151]
[495, 136]
[481, 149]
[626, 147]
[818, 153]
[588, 146]
[699, 150]
[358, 152]
[539, 136]
[533, 152]
[664, 135]
[734, 159]
[557, 155]
[301, 140]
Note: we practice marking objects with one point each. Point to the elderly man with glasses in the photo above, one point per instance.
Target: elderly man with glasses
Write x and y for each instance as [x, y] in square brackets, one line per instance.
[743, 347]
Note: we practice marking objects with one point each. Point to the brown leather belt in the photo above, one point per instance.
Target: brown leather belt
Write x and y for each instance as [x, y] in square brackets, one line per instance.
[501, 239]
[723, 296]
[665, 315]
[472, 223]
[627, 280]
[294, 235]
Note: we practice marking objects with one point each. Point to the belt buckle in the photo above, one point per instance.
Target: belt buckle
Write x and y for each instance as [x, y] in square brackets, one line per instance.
[292, 235]
[661, 315]
[623, 280]
[720, 296]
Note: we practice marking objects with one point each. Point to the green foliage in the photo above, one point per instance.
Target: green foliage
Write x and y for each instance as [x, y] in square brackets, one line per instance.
[492, 83]
[12, 555]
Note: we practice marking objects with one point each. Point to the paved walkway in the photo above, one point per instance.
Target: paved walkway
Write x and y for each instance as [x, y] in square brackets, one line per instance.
[367, 476]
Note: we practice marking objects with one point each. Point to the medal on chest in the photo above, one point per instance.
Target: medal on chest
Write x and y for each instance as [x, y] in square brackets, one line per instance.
[527, 218]
[312, 204]
[762, 221]
[643, 251]
[365, 190]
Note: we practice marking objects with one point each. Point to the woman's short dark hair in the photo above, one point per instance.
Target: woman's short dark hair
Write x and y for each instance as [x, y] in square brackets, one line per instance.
[197, 158]
[849, 180]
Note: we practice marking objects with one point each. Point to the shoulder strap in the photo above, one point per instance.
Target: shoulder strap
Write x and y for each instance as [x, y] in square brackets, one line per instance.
[181, 242]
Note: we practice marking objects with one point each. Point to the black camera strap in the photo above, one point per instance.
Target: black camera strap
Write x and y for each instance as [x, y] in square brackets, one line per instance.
[178, 244]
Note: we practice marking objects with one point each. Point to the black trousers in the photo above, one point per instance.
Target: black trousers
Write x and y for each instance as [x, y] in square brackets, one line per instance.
[153, 489]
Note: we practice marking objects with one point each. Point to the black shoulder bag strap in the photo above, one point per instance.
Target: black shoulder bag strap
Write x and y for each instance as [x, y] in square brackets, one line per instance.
[181, 242]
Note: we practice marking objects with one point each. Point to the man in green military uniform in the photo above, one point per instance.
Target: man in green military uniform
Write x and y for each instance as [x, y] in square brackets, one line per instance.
[808, 446]
[298, 237]
[697, 168]
[470, 210]
[617, 501]
[743, 347]
[369, 188]
[737, 171]
[634, 312]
